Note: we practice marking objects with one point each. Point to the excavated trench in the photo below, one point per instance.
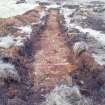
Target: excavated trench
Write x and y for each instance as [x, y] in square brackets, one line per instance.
[47, 60]
[42, 64]
[51, 65]
[52, 59]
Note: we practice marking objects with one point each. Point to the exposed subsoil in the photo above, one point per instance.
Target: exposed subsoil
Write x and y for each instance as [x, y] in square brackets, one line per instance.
[51, 65]
[51, 61]
[47, 60]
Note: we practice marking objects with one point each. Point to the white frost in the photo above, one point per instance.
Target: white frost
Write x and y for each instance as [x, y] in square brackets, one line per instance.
[98, 35]
[66, 13]
[6, 41]
[43, 14]
[99, 58]
[26, 29]
[19, 41]
[53, 6]
[9, 8]
[10, 41]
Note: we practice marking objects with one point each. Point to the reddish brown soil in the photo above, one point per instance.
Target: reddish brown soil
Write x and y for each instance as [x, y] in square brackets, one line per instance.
[51, 64]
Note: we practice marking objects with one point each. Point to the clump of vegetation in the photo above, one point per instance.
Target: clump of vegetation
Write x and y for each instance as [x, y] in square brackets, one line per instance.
[64, 95]
[80, 47]
[8, 72]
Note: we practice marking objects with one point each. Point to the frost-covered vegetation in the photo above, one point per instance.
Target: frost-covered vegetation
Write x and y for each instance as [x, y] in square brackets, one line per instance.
[26, 29]
[6, 42]
[80, 47]
[8, 71]
[9, 8]
[64, 95]
[84, 19]
[10, 40]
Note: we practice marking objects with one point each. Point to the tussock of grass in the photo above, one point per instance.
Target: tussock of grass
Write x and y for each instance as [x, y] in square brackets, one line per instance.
[8, 71]
[64, 95]
[80, 47]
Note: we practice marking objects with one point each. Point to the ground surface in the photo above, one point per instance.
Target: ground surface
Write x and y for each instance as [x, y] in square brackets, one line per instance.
[51, 60]
[46, 58]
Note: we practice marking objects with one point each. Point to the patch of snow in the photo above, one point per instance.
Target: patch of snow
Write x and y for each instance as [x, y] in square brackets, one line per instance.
[99, 36]
[77, 2]
[7, 71]
[66, 13]
[52, 6]
[44, 1]
[9, 8]
[43, 14]
[10, 41]
[99, 58]
[6, 42]
[26, 29]
[31, 1]
[19, 41]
